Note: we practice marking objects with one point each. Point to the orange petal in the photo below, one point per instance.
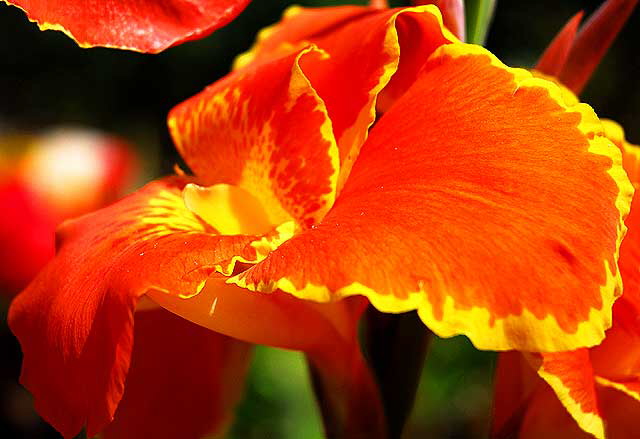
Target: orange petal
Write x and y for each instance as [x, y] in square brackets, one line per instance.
[275, 319]
[76, 317]
[593, 41]
[453, 15]
[184, 380]
[142, 25]
[545, 417]
[497, 213]
[630, 249]
[617, 360]
[571, 376]
[364, 46]
[555, 55]
[260, 128]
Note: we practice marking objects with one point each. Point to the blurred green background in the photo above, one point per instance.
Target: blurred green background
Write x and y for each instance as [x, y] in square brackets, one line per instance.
[46, 81]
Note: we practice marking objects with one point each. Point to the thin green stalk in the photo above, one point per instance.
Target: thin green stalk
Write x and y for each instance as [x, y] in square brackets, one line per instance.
[479, 16]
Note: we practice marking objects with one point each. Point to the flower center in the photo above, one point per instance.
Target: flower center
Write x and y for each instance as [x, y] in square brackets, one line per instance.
[229, 209]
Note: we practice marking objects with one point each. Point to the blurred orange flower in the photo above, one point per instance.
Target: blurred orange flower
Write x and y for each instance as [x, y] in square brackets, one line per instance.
[63, 174]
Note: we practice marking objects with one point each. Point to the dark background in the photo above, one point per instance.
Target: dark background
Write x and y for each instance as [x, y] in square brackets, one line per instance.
[46, 81]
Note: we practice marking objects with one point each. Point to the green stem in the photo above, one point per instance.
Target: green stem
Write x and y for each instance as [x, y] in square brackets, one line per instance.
[396, 347]
[479, 16]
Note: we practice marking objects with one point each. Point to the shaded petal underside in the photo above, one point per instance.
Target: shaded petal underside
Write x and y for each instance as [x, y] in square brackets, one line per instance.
[490, 206]
[141, 25]
[184, 380]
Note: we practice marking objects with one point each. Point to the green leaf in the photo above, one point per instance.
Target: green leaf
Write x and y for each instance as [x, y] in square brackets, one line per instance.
[479, 15]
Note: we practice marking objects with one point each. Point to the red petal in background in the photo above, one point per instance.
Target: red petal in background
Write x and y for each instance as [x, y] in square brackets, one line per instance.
[148, 26]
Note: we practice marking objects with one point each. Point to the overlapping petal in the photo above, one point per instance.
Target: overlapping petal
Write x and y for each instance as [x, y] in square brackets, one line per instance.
[184, 380]
[76, 317]
[370, 52]
[571, 376]
[490, 206]
[264, 129]
[593, 383]
[142, 25]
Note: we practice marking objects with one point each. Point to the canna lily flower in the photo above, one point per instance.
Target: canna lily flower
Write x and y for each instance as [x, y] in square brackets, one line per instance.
[62, 174]
[598, 387]
[480, 198]
[148, 26]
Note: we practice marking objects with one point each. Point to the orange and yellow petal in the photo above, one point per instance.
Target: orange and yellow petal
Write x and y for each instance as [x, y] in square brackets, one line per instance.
[546, 417]
[76, 317]
[630, 249]
[184, 380]
[571, 376]
[368, 50]
[542, 414]
[265, 130]
[148, 26]
[496, 213]
[453, 15]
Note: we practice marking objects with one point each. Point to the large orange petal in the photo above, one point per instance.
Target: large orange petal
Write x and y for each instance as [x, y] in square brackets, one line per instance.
[367, 48]
[265, 129]
[481, 200]
[184, 380]
[76, 317]
[141, 25]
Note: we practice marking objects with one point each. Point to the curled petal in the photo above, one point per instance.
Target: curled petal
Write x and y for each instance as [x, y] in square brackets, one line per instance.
[184, 380]
[77, 315]
[259, 129]
[497, 213]
[453, 15]
[369, 51]
[148, 26]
